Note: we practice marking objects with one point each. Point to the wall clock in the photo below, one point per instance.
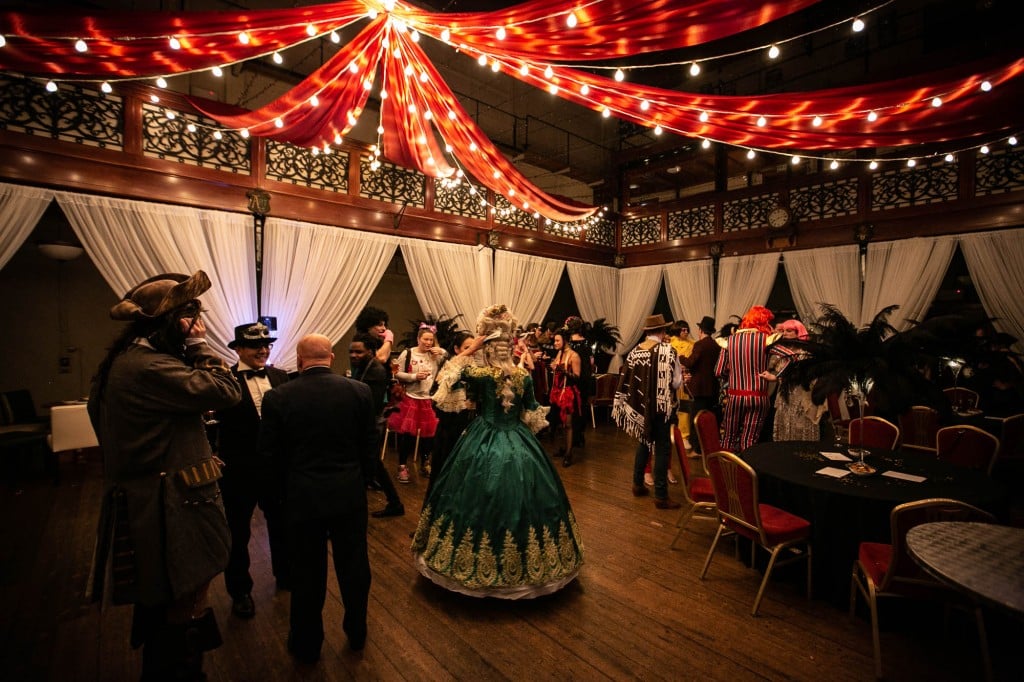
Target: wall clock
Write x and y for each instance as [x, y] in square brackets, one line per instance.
[779, 217]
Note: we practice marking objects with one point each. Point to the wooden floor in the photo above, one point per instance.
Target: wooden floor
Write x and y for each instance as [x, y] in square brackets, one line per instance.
[638, 610]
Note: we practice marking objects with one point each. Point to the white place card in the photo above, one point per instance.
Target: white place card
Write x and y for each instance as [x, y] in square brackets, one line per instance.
[905, 477]
[833, 472]
[835, 456]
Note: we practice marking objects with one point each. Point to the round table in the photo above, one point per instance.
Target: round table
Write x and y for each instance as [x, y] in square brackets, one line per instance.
[847, 511]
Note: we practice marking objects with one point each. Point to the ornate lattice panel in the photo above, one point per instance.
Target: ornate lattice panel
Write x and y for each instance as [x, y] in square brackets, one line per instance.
[193, 140]
[392, 183]
[998, 172]
[918, 186]
[642, 230]
[507, 214]
[74, 113]
[691, 222]
[601, 231]
[459, 199]
[747, 214]
[827, 200]
[574, 230]
[301, 166]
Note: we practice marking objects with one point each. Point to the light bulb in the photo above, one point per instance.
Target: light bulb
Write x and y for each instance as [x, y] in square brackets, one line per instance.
[950, 158]
[105, 87]
[81, 46]
[383, 93]
[367, 84]
[243, 38]
[1012, 140]
[482, 60]
[553, 89]
[495, 66]
[751, 154]
[335, 38]
[217, 71]
[446, 35]
[657, 130]
[619, 75]
[911, 163]
[936, 102]
[169, 114]
[428, 115]
[834, 165]
[154, 99]
[873, 165]
[327, 148]
[278, 59]
[585, 90]
[51, 86]
[174, 43]
[314, 101]
[3, 41]
[451, 114]
[606, 112]
[704, 117]
[762, 121]
[645, 105]
[337, 138]
[571, 20]
[424, 77]
[500, 33]
[872, 116]
[415, 36]
[161, 82]
[986, 86]
[278, 123]
[310, 30]
[244, 132]
[795, 160]
[817, 122]
[705, 143]
[191, 127]
[472, 146]
[694, 69]
[217, 135]
[380, 130]
[549, 72]
[858, 25]
[984, 149]
[773, 52]
[315, 151]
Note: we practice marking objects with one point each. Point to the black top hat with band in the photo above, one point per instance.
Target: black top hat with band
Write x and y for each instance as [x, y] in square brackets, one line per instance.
[253, 334]
[707, 325]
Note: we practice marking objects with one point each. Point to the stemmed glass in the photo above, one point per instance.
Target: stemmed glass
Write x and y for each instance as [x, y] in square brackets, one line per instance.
[857, 394]
[956, 364]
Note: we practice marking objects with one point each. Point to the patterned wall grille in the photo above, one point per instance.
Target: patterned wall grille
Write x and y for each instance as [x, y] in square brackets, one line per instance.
[300, 166]
[642, 230]
[392, 183]
[747, 214]
[172, 140]
[574, 230]
[507, 214]
[925, 184]
[691, 222]
[72, 114]
[999, 171]
[461, 199]
[601, 232]
[827, 200]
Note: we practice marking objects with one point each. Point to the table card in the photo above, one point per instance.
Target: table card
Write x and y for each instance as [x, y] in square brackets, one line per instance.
[905, 477]
[833, 472]
[835, 456]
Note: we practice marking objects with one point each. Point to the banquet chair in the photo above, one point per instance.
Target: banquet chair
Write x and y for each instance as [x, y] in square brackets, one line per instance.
[1011, 448]
[961, 397]
[736, 496]
[604, 394]
[70, 429]
[698, 497]
[967, 446]
[708, 434]
[874, 432]
[887, 570]
[918, 426]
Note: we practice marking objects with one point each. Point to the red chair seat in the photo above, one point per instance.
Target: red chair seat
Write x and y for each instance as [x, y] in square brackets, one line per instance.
[875, 558]
[781, 526]
[701, 490]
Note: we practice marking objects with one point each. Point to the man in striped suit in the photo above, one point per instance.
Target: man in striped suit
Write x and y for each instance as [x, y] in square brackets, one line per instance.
[742, 365]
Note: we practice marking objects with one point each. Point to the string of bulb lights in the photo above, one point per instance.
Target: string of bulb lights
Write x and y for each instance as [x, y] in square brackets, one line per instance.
[792, 131]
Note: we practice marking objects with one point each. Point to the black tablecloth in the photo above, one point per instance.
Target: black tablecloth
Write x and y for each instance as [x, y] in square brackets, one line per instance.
[847, 511]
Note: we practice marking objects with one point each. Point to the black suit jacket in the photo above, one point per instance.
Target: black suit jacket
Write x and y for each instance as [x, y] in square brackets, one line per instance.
[238, 427]
[318, 430]
[701, 364]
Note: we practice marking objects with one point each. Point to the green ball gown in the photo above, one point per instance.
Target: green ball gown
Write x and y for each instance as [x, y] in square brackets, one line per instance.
[497, 522]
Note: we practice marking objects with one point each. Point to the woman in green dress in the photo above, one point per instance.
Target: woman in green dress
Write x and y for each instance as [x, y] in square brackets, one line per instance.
[497, 522]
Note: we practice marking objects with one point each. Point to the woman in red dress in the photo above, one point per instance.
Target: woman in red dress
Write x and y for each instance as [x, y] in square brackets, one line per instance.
[565, 392]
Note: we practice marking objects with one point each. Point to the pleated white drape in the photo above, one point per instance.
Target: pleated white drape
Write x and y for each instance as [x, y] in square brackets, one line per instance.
[449, 279]
[316, 279]
[638, 292]
[526, 284]
[596, 288]
[996, 263]
[20, 211]
[130, 241]
[690, 289]
[829, 275]
[906, 273]
[744, 281]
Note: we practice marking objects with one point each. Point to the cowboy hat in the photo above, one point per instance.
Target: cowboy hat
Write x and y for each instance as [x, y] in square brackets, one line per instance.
[655, 322]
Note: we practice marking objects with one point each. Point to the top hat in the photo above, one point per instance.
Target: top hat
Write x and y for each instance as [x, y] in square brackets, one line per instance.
[253, 334]
[707, 325]
[654, 323]
[158, 295]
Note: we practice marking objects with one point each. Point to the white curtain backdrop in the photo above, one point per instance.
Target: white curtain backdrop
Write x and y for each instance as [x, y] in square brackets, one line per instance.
[316, 279]
[996, 263]
[450, 279]
[830, 275]
[130, 241]
[690, 290]
[526, 284]
[20, 210]
[744, 281]
[906, 273]
[638, 292]
[596, 288]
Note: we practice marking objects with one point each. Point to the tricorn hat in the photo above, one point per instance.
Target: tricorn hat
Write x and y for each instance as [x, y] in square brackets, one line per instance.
[654, 323]
[252, 334]
[158, 295]
[707, 325]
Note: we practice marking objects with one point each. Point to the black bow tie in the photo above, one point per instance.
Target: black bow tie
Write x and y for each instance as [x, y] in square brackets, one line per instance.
[250, 373]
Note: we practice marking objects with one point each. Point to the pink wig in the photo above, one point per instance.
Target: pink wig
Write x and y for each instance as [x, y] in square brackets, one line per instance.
[795, 326]
[759, 318]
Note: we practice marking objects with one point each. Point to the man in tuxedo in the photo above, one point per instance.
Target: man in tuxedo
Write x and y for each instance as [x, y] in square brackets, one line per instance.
[319, 432]
[700, 379]
[247, 478]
